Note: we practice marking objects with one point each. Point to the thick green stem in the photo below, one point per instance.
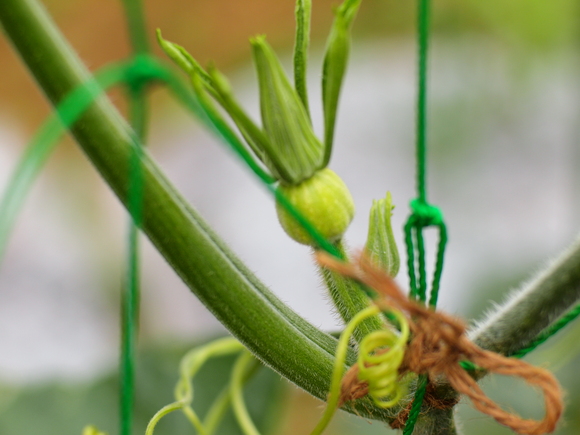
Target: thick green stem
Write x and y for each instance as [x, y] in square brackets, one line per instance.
[274, 333]
[349, 299]
[530, 309]
[434, 421]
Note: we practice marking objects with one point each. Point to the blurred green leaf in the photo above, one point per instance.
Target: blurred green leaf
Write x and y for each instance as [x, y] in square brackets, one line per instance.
[65, 409]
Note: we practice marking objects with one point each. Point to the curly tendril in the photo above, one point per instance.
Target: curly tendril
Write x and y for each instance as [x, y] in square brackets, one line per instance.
[376, 359]
[380, 356]
[190, 365]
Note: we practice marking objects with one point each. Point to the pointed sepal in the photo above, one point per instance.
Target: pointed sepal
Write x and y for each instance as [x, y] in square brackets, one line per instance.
[334, 68]
[381, 246]
[284, 118]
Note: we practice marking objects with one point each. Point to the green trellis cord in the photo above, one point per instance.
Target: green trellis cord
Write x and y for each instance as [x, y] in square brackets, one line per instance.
[423, 214]
[423, 47]
[549, 331]
[138, 76]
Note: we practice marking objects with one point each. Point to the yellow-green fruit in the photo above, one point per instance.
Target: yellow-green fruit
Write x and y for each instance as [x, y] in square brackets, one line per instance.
[324, 200]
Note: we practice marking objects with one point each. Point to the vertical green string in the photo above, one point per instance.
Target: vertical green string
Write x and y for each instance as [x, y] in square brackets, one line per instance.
[135, 17]
[423, 42]
[130, 307]
[422, 265]
[440, 258]
[422, 382]
[423, 214]
[131, 296]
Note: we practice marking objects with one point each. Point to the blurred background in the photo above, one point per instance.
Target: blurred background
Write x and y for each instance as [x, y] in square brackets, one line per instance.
[503, 166]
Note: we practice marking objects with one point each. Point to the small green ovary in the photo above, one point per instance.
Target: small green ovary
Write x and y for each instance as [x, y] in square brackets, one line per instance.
[324, 200]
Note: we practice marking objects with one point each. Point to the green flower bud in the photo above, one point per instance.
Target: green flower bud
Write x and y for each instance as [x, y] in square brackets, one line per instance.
[324, 200]
[381, 247]
[284, 117]
[286, 143]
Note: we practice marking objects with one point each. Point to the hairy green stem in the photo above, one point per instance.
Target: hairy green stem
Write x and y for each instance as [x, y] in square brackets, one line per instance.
[433, 421]
[275, 334]
[349, 299]
[532, 308]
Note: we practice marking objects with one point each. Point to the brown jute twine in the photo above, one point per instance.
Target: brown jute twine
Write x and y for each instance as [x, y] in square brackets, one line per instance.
[438, 345]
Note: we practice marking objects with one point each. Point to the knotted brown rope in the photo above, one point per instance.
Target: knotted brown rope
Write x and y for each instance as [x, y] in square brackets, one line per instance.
[439, 343]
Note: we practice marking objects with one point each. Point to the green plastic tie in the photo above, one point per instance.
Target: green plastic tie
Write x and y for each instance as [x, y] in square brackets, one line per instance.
[66, 114]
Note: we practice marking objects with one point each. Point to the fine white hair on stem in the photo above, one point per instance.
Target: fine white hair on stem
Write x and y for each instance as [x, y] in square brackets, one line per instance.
[534, 306]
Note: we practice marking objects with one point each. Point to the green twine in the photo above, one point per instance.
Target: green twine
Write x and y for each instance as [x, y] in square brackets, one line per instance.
[423, 214]
[423, 46]
[206, 113]
[422, 382]
[68, 111]
[549, 332]
[136, 25]
[137, 76]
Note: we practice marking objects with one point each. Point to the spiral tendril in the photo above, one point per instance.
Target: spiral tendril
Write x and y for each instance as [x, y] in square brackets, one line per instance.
[380, 356]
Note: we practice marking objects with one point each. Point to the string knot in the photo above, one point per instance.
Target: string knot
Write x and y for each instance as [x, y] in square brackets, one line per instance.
[142, 71]
[425, 214]
[438, 346]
